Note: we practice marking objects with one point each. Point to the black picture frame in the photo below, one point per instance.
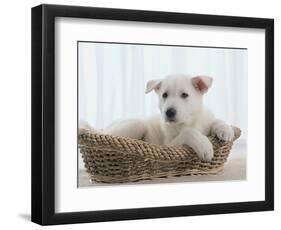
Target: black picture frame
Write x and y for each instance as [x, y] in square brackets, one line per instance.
[43, 113]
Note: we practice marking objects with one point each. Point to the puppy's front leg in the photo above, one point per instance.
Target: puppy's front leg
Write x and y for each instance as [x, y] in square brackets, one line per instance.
[222, 130]
[197, 141]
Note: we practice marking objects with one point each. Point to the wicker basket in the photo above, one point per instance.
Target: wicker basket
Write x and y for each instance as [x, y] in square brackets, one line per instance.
[115, 159]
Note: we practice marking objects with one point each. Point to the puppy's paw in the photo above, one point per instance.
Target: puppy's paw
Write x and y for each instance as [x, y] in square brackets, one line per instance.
[204, 149]
[224, 132]
[83, 131]
[85, 127]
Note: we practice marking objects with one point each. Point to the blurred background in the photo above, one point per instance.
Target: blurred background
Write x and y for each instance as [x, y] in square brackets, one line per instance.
[112, 80]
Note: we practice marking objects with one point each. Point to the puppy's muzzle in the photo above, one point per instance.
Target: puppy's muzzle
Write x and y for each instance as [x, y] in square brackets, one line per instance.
[171, 114]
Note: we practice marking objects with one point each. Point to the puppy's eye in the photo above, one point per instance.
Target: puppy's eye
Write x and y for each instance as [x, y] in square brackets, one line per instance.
[184, 95]
[165, 95]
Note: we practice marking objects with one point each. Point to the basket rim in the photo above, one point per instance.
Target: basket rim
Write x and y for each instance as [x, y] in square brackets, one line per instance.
[184, 150]
[83, 131]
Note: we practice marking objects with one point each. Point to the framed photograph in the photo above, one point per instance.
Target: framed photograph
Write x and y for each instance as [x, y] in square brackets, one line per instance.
[145, 114]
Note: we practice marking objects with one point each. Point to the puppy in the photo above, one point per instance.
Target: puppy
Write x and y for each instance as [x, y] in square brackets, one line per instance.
[183, 120]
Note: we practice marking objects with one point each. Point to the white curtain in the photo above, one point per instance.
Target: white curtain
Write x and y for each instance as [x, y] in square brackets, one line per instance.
[112, 79]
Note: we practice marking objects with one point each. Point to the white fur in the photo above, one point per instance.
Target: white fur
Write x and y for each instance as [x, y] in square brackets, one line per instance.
[191, 124]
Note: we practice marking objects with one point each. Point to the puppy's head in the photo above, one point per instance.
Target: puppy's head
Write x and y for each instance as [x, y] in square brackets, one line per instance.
[180, 96]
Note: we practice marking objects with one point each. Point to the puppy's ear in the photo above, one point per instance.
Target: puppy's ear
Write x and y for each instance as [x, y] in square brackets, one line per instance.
[202, 83]
[153, 85]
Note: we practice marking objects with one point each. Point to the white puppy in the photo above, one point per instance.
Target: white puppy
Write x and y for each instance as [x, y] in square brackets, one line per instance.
[183, 120]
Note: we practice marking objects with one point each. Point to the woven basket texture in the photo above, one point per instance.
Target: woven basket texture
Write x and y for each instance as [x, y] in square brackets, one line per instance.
[112, 159]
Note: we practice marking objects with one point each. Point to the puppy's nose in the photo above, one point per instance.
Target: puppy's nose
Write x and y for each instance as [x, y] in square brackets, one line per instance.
[171, 113]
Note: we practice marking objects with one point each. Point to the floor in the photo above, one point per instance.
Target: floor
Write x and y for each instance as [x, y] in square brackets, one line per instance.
[234, 169]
